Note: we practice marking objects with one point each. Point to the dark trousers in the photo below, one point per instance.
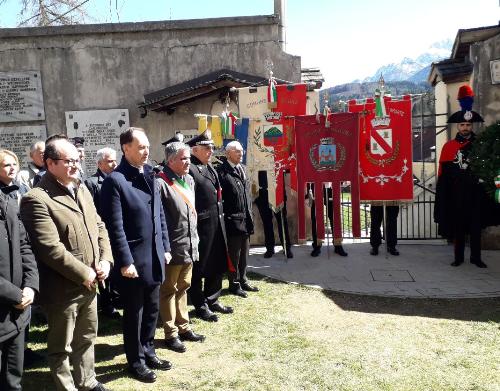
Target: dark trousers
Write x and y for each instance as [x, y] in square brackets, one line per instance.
[11, 362]
[204, 290]
[328, 202]
[474, 229]
[106, 297]
[140, 313]
[391, 225]
[238, 247]
[266, 214]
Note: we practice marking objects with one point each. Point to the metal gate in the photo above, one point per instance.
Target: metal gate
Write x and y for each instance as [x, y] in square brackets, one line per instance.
[416, 219]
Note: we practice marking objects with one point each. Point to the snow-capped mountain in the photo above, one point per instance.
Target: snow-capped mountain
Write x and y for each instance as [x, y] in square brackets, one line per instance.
[414, 69]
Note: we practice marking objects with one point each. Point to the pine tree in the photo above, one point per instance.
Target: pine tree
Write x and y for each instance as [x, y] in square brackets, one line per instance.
[485, 157]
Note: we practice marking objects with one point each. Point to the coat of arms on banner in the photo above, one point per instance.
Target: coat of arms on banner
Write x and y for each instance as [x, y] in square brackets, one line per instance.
[381, 142]
[328, 155]
[385, 154]
[273, 134]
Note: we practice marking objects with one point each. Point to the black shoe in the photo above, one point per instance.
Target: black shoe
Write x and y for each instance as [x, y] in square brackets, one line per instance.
[249, 288]
[154, 362]
[374, 251]
[340, 250]
[143, 374]
[218, 307]
[268, 253]
[456, 263]
[393, 251]
[238, 292]
[99, 387]
[289, 253]
[316, 251]
[175, 344]
[191, 336]
[479, 263]
[205, 314]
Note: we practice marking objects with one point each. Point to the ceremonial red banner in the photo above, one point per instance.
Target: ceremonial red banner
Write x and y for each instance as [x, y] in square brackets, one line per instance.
[328, 154]
[280, 134]
[385, 150]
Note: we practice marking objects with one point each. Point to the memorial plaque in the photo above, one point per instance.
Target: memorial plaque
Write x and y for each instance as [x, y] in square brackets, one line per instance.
[19, 139]
[99, 128]
[21, 97]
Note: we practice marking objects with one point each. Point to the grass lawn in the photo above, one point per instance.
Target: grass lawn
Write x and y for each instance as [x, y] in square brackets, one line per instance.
[288, 337]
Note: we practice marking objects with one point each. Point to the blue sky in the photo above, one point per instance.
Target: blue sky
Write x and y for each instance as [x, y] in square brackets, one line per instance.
[347, 39]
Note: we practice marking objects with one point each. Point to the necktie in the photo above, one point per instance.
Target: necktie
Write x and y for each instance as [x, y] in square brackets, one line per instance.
[241, 173]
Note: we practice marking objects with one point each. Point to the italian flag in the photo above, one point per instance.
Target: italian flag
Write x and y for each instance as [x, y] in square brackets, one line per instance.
[327, 112]
[228, 124]
[272, 93]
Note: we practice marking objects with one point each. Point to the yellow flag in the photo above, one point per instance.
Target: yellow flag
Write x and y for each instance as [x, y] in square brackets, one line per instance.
[216, 129]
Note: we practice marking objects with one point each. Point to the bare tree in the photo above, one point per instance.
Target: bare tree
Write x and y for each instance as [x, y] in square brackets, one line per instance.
[51, 12]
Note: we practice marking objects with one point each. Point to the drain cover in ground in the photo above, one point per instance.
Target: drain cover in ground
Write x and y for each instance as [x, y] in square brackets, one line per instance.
[391, 275]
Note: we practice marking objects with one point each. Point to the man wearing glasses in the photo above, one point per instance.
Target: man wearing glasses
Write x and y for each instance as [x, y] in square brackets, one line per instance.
[73, 253]
[213, 261]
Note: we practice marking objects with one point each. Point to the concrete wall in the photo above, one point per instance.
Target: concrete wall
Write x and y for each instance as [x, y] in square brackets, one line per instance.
[106, 66]
[487, 100]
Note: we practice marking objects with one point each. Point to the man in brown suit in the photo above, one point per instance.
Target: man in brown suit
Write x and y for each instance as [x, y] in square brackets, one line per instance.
[73, 252]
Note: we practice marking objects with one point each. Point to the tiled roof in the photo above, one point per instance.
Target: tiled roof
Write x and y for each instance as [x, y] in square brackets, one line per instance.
[203, 85]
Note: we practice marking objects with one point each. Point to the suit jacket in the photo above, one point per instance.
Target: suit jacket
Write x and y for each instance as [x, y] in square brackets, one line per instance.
[27, 177]
[236, 201]
[136, 222]
[17, 268]
[94, 184]
[181, 219]
[210, 213]
[68, 237]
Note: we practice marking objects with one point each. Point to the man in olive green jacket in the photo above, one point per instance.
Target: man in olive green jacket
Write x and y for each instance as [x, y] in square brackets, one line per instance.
[71, 245]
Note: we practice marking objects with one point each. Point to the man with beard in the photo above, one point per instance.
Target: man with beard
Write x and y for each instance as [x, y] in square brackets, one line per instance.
[461, 201]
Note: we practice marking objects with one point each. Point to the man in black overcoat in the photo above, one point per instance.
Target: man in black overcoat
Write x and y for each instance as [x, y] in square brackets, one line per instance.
[106, 163]
[139, 239]
[214, 260]
[237, 216]
[18, 284]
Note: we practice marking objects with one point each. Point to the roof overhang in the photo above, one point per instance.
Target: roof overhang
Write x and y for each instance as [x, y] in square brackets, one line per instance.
[214, 83]
[466, 37]
[450, 71]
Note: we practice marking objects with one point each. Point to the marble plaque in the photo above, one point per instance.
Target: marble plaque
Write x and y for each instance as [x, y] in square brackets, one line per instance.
[21, 97]
[19, 139]
[99, 128]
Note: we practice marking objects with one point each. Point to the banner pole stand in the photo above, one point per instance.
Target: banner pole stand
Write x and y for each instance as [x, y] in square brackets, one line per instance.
[285, 250]
[385, 231]
[325, 220]
[285, 244]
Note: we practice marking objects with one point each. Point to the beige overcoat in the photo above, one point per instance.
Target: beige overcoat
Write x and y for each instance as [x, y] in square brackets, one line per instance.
[68, 237]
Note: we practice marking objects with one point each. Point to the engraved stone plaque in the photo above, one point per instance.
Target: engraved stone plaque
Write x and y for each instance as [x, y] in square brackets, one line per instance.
[19, 139]
[21, 97]
[99, 128]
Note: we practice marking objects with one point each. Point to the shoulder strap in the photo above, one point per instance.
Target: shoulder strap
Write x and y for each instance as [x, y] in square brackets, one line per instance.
[170, 183]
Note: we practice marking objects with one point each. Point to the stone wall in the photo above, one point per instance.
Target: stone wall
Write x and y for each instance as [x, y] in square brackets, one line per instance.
[487, 100]
[87, 67]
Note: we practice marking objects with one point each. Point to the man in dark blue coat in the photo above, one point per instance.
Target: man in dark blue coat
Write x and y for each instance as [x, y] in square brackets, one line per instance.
[139, 239]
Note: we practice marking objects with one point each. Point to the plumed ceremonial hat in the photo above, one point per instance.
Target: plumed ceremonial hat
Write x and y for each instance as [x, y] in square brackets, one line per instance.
[466, 99]
[178, 137]
[204, 138]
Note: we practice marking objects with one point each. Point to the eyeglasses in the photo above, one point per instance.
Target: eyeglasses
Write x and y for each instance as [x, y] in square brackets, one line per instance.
[70, 162]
